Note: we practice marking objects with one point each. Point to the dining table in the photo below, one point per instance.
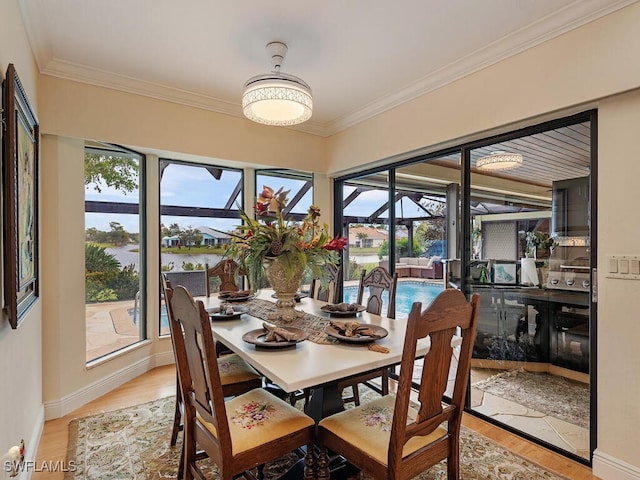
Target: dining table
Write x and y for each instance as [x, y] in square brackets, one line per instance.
[319, 362]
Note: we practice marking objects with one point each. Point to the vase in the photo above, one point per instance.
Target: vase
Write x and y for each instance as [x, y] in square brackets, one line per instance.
[286, 284]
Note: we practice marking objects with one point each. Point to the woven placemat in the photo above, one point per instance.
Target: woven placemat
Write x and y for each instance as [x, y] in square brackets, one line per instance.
[312, 324]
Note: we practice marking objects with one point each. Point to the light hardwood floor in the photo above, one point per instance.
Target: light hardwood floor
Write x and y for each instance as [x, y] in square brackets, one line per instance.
[160, 382]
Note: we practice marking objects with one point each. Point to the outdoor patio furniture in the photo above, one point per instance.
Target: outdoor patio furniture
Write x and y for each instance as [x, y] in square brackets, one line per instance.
[419, 267]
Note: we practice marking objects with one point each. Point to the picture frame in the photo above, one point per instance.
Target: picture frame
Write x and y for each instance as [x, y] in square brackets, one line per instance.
[20, 152]
[504, 273]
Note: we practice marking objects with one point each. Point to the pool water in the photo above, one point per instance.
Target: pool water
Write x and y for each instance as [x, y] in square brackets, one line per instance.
[406, 294]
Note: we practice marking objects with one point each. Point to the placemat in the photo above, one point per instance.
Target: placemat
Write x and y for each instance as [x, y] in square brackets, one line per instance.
[312, 324]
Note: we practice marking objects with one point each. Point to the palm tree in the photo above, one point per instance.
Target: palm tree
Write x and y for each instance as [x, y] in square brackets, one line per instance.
[362, 236]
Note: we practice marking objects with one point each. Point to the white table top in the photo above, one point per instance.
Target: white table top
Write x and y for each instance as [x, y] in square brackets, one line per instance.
[310, 364]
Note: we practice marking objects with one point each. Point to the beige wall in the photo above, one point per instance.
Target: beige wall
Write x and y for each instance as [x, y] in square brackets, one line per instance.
[21, 411]
[596, 61]
[78, 110]
[619, 300]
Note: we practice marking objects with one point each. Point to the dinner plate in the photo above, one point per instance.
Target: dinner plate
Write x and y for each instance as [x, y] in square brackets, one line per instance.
[216, 314]
[229, 297]
[299, 296]
[338, 313]
[334, 332]
[256, 337]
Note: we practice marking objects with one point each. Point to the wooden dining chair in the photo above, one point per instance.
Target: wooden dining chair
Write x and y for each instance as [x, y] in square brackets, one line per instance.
[228, 271]
[242, 433]
[236, 375]
[377, 281]
[326, 292]
[392, 438]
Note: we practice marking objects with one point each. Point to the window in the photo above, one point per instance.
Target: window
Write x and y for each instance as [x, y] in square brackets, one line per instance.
[198, 204]
[300, 196]
[114, 252]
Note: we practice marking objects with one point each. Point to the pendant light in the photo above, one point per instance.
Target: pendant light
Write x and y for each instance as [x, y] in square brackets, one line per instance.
[277, 98]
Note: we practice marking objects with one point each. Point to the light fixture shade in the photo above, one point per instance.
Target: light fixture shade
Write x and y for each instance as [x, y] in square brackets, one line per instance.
[277, 99]
[499, 161]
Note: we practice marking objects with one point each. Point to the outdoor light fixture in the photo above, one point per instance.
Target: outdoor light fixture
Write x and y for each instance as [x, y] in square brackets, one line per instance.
[499, 161]
[277, 98]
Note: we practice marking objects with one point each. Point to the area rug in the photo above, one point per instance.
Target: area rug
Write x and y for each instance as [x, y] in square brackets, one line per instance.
[133, 443]
[558, 397]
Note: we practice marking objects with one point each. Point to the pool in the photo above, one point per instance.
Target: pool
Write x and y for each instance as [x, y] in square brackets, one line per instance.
[406, 294]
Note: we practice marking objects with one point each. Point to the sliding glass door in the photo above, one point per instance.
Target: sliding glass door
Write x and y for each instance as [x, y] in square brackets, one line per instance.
[530, 260]
[507, 218]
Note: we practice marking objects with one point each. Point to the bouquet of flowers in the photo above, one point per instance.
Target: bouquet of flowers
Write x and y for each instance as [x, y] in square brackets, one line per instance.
[297, 245]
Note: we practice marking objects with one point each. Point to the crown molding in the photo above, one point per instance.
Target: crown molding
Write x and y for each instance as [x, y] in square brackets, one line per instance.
[573, 15]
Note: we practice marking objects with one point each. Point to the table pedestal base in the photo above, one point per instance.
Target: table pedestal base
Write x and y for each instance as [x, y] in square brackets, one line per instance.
[325, 400]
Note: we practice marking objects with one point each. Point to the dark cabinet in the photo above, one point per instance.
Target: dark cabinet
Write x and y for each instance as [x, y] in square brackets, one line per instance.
[570, 208]
[570, 341]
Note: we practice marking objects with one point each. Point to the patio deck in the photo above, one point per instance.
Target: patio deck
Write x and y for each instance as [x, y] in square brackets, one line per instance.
[109, 328]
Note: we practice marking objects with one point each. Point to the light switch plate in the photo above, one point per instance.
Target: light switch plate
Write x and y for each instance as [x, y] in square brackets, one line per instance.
[623, 266]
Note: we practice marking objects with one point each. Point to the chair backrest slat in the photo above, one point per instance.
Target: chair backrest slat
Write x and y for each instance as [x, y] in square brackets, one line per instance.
[227, 271]
[326, 292]
[378, 280]
[448, 315]
[197, 364]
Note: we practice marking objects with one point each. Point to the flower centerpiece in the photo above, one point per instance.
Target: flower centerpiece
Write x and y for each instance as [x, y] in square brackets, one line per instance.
[281, 250]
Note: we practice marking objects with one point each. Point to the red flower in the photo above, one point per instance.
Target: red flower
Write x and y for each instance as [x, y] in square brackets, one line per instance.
[261, 208]
[337, 243]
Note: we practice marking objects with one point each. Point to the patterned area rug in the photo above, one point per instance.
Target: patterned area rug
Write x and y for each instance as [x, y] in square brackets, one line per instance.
[554, 396]
[133, 443]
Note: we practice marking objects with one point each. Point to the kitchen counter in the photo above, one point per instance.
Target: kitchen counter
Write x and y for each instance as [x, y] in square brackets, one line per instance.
[567, 297]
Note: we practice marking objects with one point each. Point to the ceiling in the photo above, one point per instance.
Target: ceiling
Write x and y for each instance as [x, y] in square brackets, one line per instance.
[361, 57]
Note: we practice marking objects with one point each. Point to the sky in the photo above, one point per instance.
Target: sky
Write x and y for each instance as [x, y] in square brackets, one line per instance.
[187, 185]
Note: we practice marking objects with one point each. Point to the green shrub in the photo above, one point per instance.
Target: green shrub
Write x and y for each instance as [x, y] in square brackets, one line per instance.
[96, 259]
[355, 270]
[402, 248]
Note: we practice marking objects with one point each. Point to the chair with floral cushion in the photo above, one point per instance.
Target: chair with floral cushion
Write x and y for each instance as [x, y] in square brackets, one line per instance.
[392, 438]
[236, 375]
[242, 433]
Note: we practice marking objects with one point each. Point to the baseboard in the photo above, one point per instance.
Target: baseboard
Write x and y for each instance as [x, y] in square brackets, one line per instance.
[60, 407]
[607, 467]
